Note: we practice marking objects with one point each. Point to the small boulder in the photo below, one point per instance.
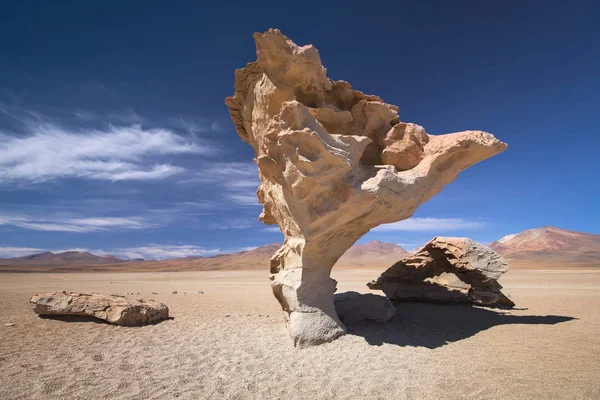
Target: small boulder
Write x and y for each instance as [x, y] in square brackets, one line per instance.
[447, 270]
[353, 307]
[114, 309]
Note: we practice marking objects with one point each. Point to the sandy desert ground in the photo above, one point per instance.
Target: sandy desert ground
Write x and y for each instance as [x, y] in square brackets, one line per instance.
[549, 347]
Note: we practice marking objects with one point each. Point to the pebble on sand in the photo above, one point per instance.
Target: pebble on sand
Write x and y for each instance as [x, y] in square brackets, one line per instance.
[9, 324]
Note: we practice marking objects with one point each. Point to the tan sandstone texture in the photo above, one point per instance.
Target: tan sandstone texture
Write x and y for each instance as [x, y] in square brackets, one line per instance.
[333, 163]
[117, 310]
[447, 269]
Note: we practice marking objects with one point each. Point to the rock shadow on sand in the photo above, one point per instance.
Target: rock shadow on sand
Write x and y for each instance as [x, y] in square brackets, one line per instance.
[94, 320]
[434, 325]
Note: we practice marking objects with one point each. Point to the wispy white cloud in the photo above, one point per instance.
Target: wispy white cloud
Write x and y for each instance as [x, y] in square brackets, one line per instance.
[161, 252]
[9, 252]
[230, 174]
[232, 225]
[215, 127]
[118, 153]
[198, 205]
[237, 181]
[409, 246]
[240, 181]
[85, 115]
[58, 223]
[191, 125]
[111, 222]
[126, 117]
[148, 252]
[243, 199]
[80, 250]
[195, 125]
[249, 248]
[431, 225]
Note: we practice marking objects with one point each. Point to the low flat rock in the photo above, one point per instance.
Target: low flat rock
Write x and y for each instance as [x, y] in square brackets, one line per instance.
[114, 309]
[353, 307]
[447, 270]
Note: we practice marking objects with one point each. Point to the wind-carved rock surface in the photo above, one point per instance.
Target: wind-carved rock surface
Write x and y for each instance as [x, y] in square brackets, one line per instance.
[333, 163]
[447, 270]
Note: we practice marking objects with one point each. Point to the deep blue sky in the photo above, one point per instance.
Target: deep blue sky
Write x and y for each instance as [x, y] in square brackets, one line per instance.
[114, 136]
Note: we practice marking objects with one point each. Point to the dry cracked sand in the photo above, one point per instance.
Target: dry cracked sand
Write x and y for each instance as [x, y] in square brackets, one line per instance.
[547, 348]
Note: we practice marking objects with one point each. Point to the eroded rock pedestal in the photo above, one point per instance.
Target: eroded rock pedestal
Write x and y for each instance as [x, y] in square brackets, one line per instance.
[333, 163]
[117, 310]
[447, 270]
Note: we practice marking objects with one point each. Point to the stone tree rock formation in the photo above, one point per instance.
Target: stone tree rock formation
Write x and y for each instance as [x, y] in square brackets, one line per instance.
[333, 163]
[447, 270]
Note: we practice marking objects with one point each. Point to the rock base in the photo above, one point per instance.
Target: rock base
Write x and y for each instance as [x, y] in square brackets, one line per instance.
[353, 307]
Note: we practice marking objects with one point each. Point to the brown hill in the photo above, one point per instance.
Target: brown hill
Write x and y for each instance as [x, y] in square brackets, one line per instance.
[373, 254]
[67, 258]
[252, 259]
[550, 246]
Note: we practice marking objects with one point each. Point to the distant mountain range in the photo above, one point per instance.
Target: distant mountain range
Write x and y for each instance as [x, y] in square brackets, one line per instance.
[375, 253]
[549, 246]
[540, 247]
[67, 258]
